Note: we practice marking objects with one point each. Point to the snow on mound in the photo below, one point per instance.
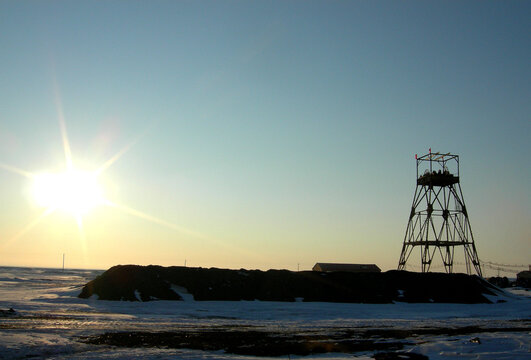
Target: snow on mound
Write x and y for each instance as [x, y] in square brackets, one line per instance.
[182, 292]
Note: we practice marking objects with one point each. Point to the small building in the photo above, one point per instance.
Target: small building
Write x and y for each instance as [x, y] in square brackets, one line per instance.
[328, 267]
[523, 279]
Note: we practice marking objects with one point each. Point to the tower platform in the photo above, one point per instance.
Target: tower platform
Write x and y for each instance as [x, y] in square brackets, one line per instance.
[438, 179]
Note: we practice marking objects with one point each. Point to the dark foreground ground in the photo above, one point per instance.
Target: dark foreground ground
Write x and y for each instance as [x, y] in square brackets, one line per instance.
[383, 343]
[147, 283]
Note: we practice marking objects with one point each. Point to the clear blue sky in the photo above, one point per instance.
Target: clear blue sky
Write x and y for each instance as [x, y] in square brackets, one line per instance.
[283, 132]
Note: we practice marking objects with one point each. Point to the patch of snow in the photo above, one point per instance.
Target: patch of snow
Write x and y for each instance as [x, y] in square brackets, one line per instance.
[519, 291]
[491, 346]
[182, 292]
[31, 344]
[501, 295]
[137, 295]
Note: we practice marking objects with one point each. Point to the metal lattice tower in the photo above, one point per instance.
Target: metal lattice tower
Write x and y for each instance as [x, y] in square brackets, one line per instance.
[438, 222]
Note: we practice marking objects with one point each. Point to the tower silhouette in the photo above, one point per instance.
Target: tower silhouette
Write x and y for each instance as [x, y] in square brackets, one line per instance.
[438, 222]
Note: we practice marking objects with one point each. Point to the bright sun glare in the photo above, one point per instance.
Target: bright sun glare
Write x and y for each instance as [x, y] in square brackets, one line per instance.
[73, 191]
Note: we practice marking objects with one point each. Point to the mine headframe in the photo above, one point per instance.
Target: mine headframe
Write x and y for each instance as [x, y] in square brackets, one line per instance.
[438, 221]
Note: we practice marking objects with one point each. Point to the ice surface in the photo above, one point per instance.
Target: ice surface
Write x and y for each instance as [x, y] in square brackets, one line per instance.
[50, 320]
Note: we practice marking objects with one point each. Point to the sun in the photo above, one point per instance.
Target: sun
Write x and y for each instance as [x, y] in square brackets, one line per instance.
[77, 191]
[73, 191]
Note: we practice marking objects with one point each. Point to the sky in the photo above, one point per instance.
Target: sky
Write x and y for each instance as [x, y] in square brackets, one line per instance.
[260, 134]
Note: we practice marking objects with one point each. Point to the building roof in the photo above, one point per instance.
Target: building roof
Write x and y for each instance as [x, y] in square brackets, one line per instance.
[346, 267]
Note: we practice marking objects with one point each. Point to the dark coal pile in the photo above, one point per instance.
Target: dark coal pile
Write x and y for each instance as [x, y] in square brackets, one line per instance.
[147, 283]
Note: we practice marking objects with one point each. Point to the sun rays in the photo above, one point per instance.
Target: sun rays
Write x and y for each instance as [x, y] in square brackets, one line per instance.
[29, 227]
[17, 170]
[77, 192]
[114, 158]
[154, 220]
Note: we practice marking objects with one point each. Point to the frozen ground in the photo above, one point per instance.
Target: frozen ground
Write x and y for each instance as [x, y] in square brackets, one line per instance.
[51, 320]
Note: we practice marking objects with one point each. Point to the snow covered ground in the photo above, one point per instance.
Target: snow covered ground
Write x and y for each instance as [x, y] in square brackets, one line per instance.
[50, 320]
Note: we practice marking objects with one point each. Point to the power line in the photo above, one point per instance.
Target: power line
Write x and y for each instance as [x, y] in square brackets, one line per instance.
[504, 265]
[502, 269]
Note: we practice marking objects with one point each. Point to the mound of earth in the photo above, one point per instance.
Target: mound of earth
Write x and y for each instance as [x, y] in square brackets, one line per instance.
[146, 283]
